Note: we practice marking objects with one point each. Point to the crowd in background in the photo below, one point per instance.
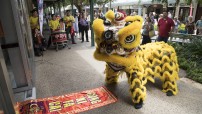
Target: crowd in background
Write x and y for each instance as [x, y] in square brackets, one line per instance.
[186, 27]
[166, 23]
[77, 25]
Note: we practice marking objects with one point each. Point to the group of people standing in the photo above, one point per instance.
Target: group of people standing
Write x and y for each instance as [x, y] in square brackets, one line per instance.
[78, 24]
[71, 24]
[188, 27]
[166, 25]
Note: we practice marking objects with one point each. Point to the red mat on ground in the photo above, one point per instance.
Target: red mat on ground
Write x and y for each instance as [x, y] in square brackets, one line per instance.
[68, 104]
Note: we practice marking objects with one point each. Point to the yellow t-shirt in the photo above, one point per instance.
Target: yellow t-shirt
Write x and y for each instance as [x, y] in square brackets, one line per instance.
[182, 27]
[69, 20]
[54, 24]
[34, 22]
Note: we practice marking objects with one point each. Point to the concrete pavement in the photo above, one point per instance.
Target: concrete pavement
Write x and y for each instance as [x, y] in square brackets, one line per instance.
[75, 69]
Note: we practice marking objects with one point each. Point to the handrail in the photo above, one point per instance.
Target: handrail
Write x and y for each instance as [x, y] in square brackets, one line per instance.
[183, 36]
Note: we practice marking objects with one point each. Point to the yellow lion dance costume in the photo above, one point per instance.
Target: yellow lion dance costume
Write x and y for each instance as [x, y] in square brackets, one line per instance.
[118, 45]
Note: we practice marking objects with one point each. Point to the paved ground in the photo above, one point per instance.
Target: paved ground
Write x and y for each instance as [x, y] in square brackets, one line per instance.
[75, 69]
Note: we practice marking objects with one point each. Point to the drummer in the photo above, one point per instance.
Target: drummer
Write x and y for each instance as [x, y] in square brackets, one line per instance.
[54, 23]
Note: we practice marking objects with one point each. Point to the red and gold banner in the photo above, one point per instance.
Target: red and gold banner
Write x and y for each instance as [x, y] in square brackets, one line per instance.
[68, 104]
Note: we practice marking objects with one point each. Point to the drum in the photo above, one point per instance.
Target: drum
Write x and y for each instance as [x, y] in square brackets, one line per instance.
[59, 38]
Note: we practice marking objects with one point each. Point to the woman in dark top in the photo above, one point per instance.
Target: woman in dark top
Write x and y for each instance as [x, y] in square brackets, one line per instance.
[84, 27]
[79, 25]
[147, 27]
[190, 26]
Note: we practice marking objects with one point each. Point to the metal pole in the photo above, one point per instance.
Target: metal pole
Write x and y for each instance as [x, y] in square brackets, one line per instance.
[72, 7]
[91, 21]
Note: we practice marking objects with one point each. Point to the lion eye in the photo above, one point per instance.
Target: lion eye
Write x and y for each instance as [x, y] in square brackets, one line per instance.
[127, 23]
[130, 39]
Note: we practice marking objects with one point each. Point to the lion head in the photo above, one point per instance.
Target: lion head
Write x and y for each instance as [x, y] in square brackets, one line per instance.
[118, 34]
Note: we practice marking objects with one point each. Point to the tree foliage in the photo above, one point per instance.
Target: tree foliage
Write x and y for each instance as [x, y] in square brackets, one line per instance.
[190, 58]
[190, 1]
[178, 1]
[101, 2]
[80, 3]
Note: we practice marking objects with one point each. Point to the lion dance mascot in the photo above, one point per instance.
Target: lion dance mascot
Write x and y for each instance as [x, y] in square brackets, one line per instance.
[118, 44]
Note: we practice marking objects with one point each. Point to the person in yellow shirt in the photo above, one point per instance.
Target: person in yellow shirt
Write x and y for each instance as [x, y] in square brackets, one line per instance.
[54, 26]
[182, 28]
[69, 20]
[34, 20]
[54, 23]
[36, 35]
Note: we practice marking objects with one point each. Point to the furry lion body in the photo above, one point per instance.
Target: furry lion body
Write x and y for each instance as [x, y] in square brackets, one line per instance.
[140, 63]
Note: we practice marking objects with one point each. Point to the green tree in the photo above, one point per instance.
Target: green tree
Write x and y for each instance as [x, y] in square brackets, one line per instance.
[177, 2]
[101, 2]
[190, 1]
[162, 1]
[80, 3]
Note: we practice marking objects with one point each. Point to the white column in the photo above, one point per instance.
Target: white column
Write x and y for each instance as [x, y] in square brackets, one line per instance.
[144, 12]
[139, 10]
[85, 12]
[195, 3]
[177, 10]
